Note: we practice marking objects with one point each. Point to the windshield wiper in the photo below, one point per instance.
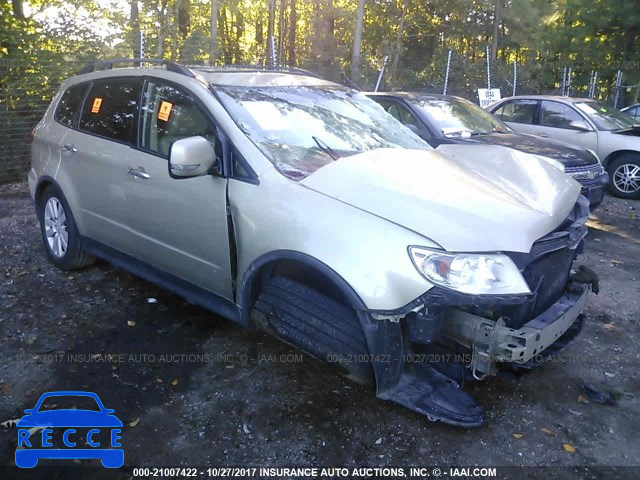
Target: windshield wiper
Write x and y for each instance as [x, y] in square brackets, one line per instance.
[459, 133]
[326, 148]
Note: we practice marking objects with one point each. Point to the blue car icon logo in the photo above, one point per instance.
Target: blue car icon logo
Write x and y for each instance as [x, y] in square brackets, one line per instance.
[99, 430]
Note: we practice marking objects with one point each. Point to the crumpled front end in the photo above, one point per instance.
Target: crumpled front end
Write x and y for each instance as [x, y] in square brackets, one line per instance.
[443, 338]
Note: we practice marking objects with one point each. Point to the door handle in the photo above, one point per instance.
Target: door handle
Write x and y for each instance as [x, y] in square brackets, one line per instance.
[139, 172]
[69, 147]
[543, 135]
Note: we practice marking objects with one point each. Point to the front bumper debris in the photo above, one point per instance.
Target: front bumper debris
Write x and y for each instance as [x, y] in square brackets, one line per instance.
[492, 342]
[422, 352]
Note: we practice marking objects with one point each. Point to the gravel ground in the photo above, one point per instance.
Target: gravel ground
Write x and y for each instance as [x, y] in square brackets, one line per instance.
[194, 389]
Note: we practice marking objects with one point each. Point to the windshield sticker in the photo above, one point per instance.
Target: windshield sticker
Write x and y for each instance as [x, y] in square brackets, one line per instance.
[164, 112]
[588, 109]
[97, 103]
[267, 116]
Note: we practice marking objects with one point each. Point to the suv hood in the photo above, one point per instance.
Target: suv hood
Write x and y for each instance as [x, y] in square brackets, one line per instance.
[463, 197]
[566, 154]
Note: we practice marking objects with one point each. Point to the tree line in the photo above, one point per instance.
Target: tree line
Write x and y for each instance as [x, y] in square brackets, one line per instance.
[341, 38]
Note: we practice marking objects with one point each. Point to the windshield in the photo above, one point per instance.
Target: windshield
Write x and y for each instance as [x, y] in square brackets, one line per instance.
[606, 117]
[301, 129]
[456, 117]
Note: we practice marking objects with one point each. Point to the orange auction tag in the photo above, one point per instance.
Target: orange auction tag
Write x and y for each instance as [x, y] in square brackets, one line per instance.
[97, 102]
[165, 111]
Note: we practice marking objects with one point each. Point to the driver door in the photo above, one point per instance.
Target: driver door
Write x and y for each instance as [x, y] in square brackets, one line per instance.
[179, 225]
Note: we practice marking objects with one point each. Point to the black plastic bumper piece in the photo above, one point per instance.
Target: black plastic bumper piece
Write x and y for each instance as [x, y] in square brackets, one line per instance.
[423, 389]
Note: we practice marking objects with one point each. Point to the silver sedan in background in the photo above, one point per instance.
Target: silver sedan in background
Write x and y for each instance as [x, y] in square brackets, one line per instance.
[613, 135]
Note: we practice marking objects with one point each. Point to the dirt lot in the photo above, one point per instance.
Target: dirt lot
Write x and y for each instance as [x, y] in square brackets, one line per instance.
[194, 389]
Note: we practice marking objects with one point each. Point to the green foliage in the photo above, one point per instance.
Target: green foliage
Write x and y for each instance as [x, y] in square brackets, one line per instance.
[54, 38]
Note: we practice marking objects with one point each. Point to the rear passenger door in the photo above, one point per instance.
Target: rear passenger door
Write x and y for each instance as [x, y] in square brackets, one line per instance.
[95, 157]
[179, 225]
[518, 114]
[557, 120]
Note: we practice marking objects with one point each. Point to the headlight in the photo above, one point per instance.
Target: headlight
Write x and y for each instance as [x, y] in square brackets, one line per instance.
[475, 274]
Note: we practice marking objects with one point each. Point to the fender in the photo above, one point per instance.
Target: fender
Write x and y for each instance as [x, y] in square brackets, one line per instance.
[245, 289]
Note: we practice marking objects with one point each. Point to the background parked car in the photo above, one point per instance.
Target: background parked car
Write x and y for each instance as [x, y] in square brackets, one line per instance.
[444, 119]
[612, 134]
[633, 111]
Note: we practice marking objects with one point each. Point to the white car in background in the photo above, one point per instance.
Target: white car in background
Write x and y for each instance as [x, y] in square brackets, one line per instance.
[613, 135]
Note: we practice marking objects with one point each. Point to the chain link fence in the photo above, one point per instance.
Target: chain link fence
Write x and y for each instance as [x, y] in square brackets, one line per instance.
[26, 88]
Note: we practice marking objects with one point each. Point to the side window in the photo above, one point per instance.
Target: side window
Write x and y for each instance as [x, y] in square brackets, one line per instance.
[517, 111]
[111, 108]
[68, 109]
[634, 112]
[401, 113]
[169, 114]
[558, 115]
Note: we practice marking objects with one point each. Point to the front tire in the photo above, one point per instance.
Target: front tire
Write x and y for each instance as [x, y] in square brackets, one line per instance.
[624, 172]
[59, 231]
[316, 323]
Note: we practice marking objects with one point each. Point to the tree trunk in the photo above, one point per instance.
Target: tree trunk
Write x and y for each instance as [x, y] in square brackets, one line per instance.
[213, 32]
[497, 18]
[357, 42]
[176, 26]
[282, 30]
[396, 54]
[18, 9]
[134, 24]
[271, 33]
[293, 24]
[162, 33]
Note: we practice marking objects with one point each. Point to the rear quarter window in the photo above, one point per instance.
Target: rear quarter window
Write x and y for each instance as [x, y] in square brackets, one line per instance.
[68, 109]
[111, 108]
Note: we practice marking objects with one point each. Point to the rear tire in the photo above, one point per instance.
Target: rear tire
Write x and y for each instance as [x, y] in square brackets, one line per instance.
[59, 231]
[315, 323]
[624, 173]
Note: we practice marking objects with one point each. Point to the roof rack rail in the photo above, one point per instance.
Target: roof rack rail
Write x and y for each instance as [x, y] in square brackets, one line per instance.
[258, 68]
[108, 64]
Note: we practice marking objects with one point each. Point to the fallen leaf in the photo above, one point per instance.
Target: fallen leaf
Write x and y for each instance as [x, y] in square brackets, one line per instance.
[151, 300]
[159, 380]
[134, 423]
[245, 428]
[378, 441]
[71, 277]
[517, 435]
[610, 327]
[174, 382]
[582, 399]
[34, 430]
[6, 389]
[547, 431]
[568, 448]
[131, 323]
[9, 423]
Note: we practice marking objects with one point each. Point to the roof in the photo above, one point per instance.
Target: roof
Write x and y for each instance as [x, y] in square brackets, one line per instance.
[559, 98]
[412, 96]
[261, 78]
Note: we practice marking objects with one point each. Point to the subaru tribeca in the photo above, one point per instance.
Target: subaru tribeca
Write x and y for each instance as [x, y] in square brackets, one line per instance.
[295, 205]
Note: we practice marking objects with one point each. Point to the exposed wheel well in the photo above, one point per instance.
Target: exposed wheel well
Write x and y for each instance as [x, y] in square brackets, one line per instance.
[614, 155]
[299, 271]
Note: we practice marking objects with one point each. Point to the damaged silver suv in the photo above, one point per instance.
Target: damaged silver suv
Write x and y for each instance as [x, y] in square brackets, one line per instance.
[295, 205]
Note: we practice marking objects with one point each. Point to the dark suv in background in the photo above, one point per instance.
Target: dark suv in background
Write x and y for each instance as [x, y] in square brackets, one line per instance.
[445, 119]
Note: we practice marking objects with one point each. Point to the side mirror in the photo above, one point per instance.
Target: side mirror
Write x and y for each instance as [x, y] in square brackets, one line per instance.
[579, 125]
[191, 157]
